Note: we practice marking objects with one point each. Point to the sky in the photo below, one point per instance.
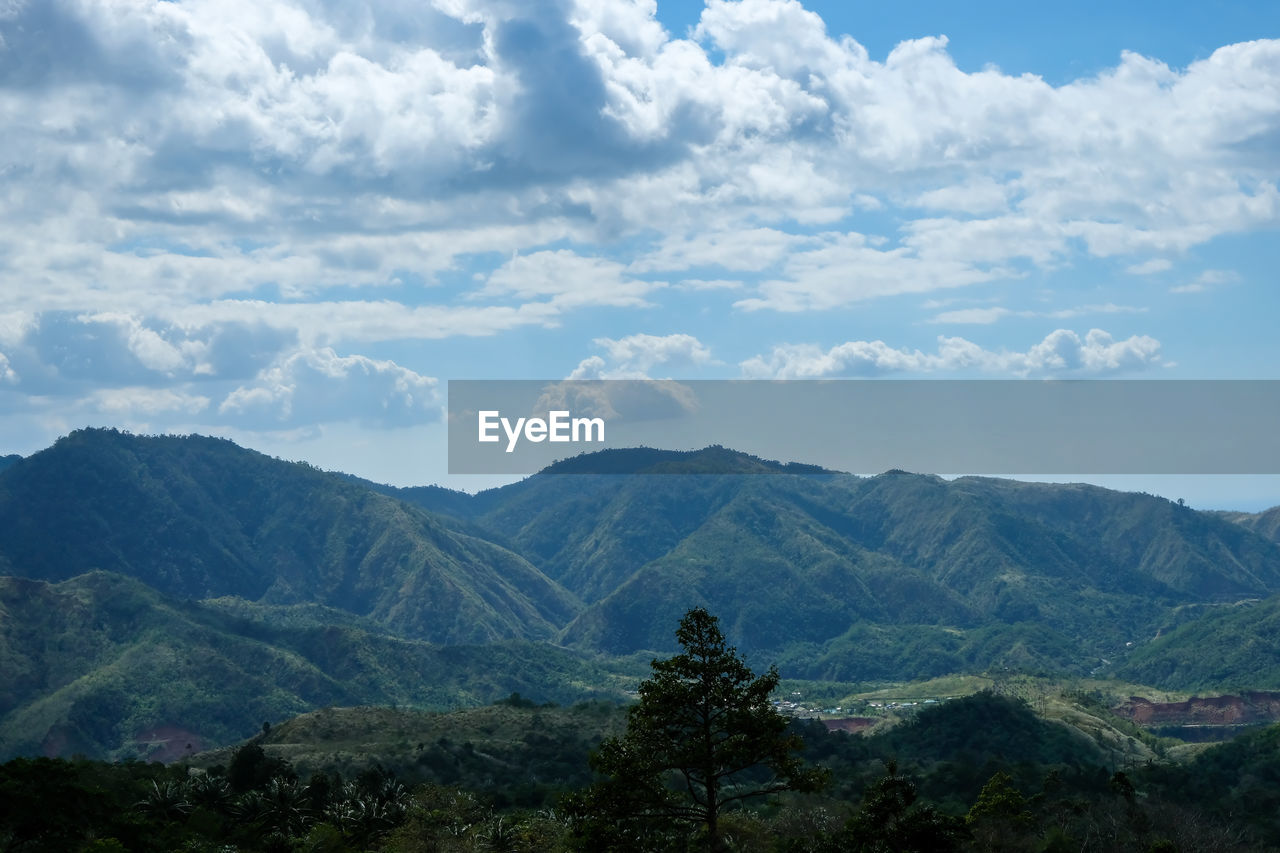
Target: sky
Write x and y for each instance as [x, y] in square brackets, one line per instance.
[290, 222]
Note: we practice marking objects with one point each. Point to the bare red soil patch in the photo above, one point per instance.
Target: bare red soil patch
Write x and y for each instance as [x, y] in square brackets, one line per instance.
[852, 725]
[1256, 706]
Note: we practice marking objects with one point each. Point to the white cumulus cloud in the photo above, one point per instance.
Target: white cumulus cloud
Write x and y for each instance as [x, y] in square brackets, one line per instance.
[320, 386]
[183, 152]
[1062, 352]
[635, 356]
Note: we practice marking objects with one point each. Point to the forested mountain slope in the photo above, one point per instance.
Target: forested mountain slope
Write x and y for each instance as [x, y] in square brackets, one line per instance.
[105, 666]
[146, 574]
[199, 517]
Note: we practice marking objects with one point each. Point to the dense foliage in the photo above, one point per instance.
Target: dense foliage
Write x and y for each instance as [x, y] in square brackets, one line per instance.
[102, 665]
[703, 738]
[897, 576]
[195, 517]
[979, 774]
[1231, 647]
[1267, 522]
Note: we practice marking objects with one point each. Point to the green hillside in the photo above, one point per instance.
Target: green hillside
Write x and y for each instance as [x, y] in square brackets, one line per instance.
[594, 532]
[99, 664]
[1224, 648]
[515, 745]
[798, 560]
[649, 460]
[980, 773]
[507, 744]
[802, 559]
[198, 517]
[1266, 523]
[185, 585]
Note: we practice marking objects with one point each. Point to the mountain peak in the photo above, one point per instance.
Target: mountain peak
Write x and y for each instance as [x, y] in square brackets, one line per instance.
[714, 459]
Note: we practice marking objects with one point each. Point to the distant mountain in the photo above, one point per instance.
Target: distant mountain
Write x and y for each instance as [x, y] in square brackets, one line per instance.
[759, 551]
[450, 504]
[791, 559]
[887, 653]
[188, 584]
[6, 461]
[200, 517]
[594, 532]
[714, 460]
[818, 569]
[1266, 523]
[647, 460]
[1228, 647]
[105, 666]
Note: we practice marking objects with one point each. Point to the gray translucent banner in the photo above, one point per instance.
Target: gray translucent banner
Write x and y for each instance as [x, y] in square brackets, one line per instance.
[869, 426]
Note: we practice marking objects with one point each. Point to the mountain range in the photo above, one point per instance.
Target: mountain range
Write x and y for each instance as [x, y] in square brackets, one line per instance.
[185, 582]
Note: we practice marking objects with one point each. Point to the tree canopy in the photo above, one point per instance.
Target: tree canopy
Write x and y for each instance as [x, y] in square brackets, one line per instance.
[703, 738]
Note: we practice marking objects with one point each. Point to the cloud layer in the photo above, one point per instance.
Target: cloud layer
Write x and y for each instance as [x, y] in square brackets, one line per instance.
[211, 148]
[1061, 353]
[227, 211]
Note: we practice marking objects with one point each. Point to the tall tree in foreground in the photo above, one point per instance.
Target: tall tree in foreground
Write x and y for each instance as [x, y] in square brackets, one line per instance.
[702, 738]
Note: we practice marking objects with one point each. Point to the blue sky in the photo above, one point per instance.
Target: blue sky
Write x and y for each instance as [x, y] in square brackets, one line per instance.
[290, 221]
